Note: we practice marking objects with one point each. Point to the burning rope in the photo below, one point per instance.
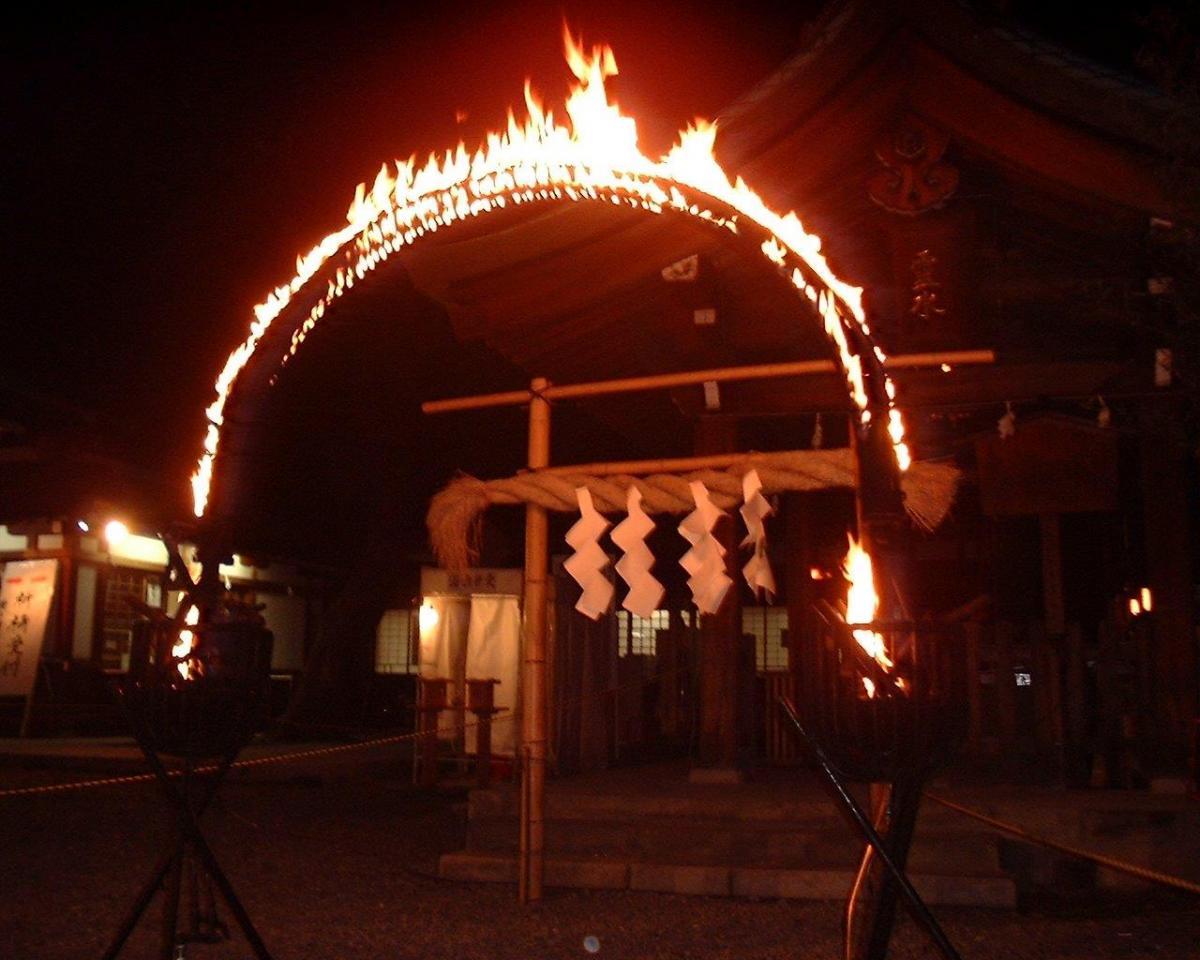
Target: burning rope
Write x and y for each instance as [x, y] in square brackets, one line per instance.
[454, 512]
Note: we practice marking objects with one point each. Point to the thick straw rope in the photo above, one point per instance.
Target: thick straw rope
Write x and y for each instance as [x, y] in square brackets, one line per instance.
[454, 512]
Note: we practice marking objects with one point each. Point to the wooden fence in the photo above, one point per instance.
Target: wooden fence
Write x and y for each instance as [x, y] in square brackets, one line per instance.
[1073, 707]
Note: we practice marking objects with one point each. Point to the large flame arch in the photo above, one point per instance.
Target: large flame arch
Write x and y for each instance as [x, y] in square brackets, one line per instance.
[594, 157]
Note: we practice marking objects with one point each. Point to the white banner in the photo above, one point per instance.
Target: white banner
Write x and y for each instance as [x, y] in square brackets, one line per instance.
[494, 653]
[444, 652]
[28, 588]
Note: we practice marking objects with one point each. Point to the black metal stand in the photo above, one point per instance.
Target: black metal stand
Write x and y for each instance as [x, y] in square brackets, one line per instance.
[188, 851]
[871, 906]
[882, 867]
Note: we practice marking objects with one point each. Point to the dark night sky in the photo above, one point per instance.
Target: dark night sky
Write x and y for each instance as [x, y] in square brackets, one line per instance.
[166, 164]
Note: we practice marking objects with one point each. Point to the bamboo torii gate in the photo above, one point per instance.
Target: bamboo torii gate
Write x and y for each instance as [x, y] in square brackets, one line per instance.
[453, 549]
[592, 160]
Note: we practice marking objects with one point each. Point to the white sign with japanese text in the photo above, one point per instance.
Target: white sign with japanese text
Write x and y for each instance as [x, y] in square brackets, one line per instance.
[25, 595]
[466, 583]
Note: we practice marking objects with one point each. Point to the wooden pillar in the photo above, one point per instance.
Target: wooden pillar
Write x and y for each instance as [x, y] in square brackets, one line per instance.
[971, 637]
[533, 680]
[1051, 728]
[595, 648]
[1168, 568]
[1006, 696]
[1075, 707]
[66, 600]
[720, 661]
[481, 700]
[431, 700]
[1052, 575]
[799, 557]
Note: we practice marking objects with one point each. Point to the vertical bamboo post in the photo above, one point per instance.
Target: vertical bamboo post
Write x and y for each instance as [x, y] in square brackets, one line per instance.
[533, 685]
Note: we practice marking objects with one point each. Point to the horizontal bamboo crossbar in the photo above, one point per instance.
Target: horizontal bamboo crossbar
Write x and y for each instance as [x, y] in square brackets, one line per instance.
[666, 381]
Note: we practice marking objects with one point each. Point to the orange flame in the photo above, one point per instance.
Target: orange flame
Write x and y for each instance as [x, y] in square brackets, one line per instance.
[862, 604]
[187, 640]
[596, 157]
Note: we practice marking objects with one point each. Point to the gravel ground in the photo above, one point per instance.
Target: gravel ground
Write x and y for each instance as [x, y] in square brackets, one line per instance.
[339, 863]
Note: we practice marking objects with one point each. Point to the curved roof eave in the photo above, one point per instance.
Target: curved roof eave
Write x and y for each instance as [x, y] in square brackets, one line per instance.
[1026, 68]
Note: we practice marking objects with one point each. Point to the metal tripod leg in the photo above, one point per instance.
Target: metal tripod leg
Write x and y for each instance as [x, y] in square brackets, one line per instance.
[191, 833]
[170, 917]
[145, 895]
[871, 906]
[913, 899]
[159, 873]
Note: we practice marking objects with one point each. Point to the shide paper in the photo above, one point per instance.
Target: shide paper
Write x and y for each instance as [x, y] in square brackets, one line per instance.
[755, 510]
[588, 561]
[645, 592]
[705, 561]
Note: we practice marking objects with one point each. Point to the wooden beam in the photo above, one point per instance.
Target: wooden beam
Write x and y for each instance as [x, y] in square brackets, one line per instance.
[667, 381]
[718, 461]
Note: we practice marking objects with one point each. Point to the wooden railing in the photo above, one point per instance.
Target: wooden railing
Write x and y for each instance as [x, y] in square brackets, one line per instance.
[778, 741]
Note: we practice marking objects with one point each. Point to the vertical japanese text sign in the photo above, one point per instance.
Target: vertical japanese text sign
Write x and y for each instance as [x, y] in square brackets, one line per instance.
[25, 594]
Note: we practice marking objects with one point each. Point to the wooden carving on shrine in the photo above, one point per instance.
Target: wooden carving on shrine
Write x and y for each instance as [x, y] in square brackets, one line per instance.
[926, 290]
[916, 177]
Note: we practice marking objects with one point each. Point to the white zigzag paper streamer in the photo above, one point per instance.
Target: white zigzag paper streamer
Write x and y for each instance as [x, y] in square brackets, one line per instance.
[705, 561]
[587, 563]
[754, 511]
[645, 592]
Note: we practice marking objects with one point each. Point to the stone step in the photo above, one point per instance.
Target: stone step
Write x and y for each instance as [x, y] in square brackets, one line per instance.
[699, 803]
[615, 873]
[734, 843]
[713, 801]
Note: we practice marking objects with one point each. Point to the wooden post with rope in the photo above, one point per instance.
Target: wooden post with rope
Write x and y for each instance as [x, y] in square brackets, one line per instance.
[531, 866]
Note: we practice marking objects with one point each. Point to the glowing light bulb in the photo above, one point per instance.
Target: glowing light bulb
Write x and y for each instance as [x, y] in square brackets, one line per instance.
[427, 618]
[116, 533]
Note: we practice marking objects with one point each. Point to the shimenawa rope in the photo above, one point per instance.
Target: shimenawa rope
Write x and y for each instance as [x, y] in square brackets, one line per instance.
[454, 512]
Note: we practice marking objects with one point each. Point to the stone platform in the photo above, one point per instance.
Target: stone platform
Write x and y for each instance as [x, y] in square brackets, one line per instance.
[778, 834]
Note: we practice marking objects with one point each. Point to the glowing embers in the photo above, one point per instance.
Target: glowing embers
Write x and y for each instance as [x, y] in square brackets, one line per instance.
[595, 157]
[1142, 602]
[188, 666]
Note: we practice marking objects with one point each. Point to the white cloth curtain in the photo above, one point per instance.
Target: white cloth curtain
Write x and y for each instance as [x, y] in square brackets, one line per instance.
[493, 652]
[443, 654]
